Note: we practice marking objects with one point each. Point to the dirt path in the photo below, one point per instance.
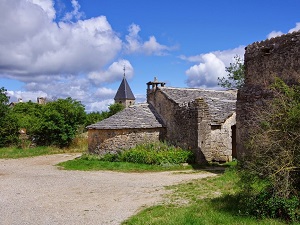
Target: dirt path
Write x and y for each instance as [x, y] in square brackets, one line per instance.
[34, 191]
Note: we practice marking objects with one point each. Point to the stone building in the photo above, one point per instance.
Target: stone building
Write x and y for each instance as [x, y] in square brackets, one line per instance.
[202, 121]
[134, 125]
[276, 57]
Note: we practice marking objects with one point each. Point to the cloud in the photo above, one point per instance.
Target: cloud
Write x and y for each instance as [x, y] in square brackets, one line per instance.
[32, 44]
[105, 93]
[210, 66]
[279, 33]
[47, 6]
[274, 34]
[296, 28]
[75, 14]
[134, 43]
[26, 95]
[113, 73]
[100, 105]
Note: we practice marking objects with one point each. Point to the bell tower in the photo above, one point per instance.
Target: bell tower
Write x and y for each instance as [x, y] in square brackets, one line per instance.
[124, 94]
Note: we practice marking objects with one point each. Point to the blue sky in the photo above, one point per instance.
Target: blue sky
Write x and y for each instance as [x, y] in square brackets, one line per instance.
[77, 48]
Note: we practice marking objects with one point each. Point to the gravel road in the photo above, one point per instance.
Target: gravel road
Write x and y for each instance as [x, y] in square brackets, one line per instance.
[34, 191]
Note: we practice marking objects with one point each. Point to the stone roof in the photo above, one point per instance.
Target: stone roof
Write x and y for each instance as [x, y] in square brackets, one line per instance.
[221, 104]
[135, 116]
[124, 91]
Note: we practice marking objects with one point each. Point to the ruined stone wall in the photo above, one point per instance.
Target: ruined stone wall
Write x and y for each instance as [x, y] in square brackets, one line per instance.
[112, 141]
[277, 57]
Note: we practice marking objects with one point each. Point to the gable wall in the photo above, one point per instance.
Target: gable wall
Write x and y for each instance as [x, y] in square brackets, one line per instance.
[187, 125]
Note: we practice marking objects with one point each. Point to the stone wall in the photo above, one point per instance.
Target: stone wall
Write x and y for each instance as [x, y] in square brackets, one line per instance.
[276, 57]
[112, 141]
[221, 140]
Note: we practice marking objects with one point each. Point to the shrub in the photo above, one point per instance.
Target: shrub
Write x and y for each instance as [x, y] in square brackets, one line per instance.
[264, 204]
[271, 173]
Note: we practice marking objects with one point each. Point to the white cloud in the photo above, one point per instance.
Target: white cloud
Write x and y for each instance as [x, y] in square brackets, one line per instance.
[210, 66]
[100, 105]
[32, 44]
[47, 6]
[75, 14]
[296, 28]
[136, 45]
[279, 33]
[113, 73]
[26, 95]
[105, 93]
[274, 34]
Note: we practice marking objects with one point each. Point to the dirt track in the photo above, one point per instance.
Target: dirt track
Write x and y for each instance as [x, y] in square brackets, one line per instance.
[35, 191]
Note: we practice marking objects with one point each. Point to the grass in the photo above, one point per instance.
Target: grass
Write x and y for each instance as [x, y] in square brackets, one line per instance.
[204, 201]
[15, 152]
[92, 163]
[79, 145]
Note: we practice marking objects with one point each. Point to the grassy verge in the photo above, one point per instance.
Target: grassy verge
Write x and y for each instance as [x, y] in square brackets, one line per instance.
[79, 145]
[95, 164]
[14, 152]
[204, 201]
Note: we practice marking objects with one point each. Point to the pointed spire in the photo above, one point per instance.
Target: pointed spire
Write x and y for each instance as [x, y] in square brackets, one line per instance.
[124, 94]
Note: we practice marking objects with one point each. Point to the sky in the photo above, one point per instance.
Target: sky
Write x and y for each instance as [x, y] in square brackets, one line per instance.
[78, 48]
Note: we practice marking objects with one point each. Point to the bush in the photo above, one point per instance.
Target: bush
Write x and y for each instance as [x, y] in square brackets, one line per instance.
[271, 173]
[154, 154]
[264, 205]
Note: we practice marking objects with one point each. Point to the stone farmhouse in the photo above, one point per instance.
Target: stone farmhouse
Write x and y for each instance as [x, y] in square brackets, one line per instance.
[202, 121]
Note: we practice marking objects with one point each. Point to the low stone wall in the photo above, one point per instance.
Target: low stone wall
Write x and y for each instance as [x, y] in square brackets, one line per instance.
[112, 141]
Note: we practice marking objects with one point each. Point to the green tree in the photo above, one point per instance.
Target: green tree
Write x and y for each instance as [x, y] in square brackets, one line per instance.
[28, 115]
[4, 99]
[60, 122]
[95, 117]
[9, 130]
[236, 75]
[115, 108]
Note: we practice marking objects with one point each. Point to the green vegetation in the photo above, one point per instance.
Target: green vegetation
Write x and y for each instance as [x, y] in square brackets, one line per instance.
[204, 201]
[93, 163]
[56, 123]
[8, 124]
[158, 153]
[271, 175]
[236, 75]
[14, 152]
[145, 157]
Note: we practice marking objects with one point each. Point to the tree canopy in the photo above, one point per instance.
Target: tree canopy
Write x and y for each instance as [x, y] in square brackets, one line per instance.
[236, 75]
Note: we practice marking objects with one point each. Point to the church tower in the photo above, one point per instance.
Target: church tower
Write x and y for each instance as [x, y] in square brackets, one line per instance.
[124, 94]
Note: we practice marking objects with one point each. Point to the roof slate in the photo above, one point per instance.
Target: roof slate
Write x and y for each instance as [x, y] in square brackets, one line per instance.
[124, 91]
[221, 104]
[135, 116]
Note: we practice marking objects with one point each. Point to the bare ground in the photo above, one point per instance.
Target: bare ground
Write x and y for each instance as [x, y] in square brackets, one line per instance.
[34, 191]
